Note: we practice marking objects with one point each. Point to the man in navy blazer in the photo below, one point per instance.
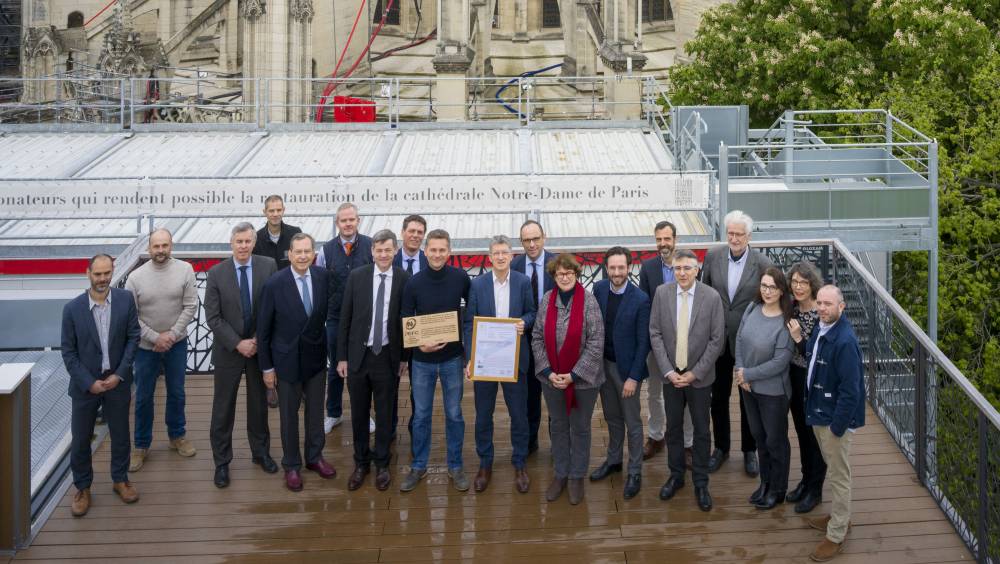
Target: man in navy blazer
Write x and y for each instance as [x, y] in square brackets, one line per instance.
[413, 260]
[502, 293]
[100, 336]
[532, 264]
[626, 345]
[291, 351]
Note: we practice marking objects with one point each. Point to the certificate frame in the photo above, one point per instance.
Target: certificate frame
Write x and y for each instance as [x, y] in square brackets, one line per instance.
[481, 377]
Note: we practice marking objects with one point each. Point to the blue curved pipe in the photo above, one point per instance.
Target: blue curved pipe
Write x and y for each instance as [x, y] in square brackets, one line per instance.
[513, 81]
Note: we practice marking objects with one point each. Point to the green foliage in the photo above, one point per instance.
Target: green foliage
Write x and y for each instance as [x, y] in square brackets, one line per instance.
[935, 65]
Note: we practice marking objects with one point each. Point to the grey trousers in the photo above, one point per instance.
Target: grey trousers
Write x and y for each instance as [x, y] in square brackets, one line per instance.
[623, 416]
[657, 407]
[570, 434]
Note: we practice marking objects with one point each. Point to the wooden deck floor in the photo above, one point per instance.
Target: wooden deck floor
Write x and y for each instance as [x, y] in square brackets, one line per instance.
[182, 517]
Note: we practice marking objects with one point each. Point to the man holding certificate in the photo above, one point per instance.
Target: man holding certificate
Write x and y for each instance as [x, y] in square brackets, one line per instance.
[507, 295]
[429, 297]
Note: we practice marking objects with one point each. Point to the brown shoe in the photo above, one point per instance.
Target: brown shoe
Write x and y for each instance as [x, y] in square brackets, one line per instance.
[521, 480]
[575, 490]
[652, 447]
[826, 550]
[81, 503]
[357, 477]
[555, 489]
[137, 459]
[482, 479]
[382, 479]
[183, 447]
[821, 523]
[126, 491]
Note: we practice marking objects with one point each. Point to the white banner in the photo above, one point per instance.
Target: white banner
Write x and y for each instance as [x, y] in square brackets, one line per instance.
[374, 195]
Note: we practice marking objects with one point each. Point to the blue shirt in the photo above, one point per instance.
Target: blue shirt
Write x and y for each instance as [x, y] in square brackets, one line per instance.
[668, 273]
[736, 271]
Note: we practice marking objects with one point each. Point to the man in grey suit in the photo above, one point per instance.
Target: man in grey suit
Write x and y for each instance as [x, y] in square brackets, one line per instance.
[231, 298]
[734, 271]
[687, 331]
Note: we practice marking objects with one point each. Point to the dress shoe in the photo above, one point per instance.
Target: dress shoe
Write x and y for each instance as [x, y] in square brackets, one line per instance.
[604, 470]
[482, 479]
[459, 480]
[412, 479]
[703, 497]
[137, 459]
[293, 480]
[555, 489]
[357, 477]
[796, 494]
[575, 489]
[808, 502]
[323, 468]
[521, 480]
[126, 491]
[272, 398]
[770, 500]
[670, 488]
[81, 503]
[632, 484]
[266, 464]
[689, 457]
[651, 447]
[221, 476]
[826, 550]
[183, 447]
[758, 493]
[750, 465]
[715, 461]
[382, 479]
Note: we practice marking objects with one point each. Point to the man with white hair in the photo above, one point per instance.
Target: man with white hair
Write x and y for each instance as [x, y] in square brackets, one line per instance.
[734, 271]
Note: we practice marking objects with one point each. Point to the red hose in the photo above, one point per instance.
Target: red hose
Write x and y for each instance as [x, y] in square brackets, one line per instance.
[94, 17]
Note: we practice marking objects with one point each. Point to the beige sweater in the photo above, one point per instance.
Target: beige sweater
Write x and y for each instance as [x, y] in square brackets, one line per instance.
[166, 297]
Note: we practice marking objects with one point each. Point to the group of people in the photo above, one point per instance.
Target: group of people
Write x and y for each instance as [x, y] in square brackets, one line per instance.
[300, 323]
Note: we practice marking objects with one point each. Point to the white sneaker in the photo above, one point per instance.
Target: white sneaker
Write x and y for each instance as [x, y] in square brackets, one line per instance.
[330, 422]
[371, 425]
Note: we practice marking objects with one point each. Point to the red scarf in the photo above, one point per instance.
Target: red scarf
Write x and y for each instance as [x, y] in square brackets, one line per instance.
[562, 362]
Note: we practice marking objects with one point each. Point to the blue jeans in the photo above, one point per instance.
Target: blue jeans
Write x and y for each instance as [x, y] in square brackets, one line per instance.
[334, 383]
[423, 381]
[147, 369]
[515, 395]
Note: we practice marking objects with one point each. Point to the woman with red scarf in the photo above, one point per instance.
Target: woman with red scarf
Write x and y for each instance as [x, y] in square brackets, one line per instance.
[568, 344]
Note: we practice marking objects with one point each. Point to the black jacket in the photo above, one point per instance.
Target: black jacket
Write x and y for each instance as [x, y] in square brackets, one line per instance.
[276, 251]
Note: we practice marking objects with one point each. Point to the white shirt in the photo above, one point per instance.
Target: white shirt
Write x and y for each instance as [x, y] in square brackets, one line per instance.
[501, 295]
[736, 271]
[407, 258]
[690, 295]
[385, 305]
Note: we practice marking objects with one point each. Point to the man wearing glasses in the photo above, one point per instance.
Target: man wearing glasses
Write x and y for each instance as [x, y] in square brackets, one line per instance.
[734, 271]
[532, 264]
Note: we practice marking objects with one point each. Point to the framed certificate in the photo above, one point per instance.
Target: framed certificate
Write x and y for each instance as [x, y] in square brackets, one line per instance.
[496, 349]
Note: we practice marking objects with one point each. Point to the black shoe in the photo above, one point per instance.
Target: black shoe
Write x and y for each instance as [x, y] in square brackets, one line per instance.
[222, 476]
[771, 500]
[632, 484]
[796, 494]
[759, 494]
[670, 488]
[266, 464]
[704, 499]
[715, 461]
[809, 501]
[604, 471]
[750, 465]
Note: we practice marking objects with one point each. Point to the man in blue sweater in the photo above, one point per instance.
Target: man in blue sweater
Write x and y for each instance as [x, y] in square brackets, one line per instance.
[440, 288]
[835, 407]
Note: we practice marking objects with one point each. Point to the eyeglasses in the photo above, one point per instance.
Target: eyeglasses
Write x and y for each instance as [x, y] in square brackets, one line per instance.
[532, 241]
[569, 274]
[500, 253]
[735, 235]
[768, 288]
[684, 268]
[800, 283]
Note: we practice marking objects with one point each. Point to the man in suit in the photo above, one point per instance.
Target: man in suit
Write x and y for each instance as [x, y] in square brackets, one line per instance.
[687, 330]
[734, 271]
[626, 345]
[369, 354]
[502, 293]
[100, 337]
[413, 260]
[273, 239]
[653, 273]
[340, 255]
[291, 348]
[232, 298]
[532, 264]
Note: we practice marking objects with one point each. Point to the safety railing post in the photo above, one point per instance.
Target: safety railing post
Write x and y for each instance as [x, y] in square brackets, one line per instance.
[982, 458]
[920, 413]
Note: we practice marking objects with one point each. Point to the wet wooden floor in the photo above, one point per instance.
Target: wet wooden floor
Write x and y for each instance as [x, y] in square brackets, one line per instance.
[182, 517]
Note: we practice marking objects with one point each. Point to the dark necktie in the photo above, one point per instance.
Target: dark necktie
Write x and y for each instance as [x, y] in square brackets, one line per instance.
[409, 266]
[245, 301]
[379, 304]
[534, 283]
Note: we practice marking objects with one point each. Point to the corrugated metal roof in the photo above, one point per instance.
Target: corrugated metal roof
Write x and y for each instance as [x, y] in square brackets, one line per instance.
[311, 154]
[455, 152]
[174, 154]
[593, 150]
[51, 155]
